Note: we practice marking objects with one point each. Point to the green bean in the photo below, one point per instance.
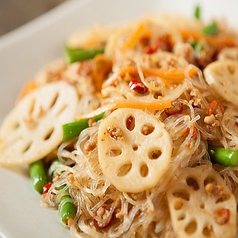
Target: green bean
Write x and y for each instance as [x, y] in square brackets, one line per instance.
[75, 55]
[73, 129]
[226, 157]
[67, 209]
[38, 175]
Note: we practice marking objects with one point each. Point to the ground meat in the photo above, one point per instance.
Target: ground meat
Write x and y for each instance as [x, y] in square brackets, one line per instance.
[184, 50]
[176, 108]
[84, 68]
[172, 62]
[115, 132]
[178, 203]
[195, 100]
[89, 146]
[213, 190]
[147, 129]
[168, 63]
[212, 121]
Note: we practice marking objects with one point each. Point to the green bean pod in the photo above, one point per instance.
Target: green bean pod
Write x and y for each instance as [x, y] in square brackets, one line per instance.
[38, 175]
[67, 209]
[226, 157]
[73, 129]
[75, 55]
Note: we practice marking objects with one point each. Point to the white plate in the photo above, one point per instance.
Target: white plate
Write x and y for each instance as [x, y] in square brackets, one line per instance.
[24, 51]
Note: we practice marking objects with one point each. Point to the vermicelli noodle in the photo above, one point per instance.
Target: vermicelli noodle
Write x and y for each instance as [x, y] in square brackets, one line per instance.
[151, 131]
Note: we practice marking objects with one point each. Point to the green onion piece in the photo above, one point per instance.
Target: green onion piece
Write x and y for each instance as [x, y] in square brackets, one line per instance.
[75, 55]
[194, 44]
[73, 129]
[210, 29]
[197, 45]
[198, 48]
[197, 12]
[226, 157]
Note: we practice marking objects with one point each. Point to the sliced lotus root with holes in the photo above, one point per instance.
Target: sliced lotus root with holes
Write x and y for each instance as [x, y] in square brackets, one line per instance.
[34, 127]
[134, 149]
[201, 205]
[222, 77]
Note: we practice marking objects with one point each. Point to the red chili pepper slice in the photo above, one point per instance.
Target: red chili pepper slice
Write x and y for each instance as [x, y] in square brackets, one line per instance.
[195, 131]
[224, 214]
[216, 107]
[138, 86]
[150, 50]
[163, 43]
[103, 217]
[130, 123]
[46, 188]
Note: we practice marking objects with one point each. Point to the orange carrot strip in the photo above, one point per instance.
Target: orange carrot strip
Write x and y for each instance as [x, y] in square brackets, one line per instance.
[159, 105]
[213, 40]
[133, 70]
[134, 36]
[142, 105]
[170, 74]
[174, 75]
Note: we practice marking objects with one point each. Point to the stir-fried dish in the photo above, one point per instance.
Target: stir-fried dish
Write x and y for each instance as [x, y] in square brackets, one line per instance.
[134, 132]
